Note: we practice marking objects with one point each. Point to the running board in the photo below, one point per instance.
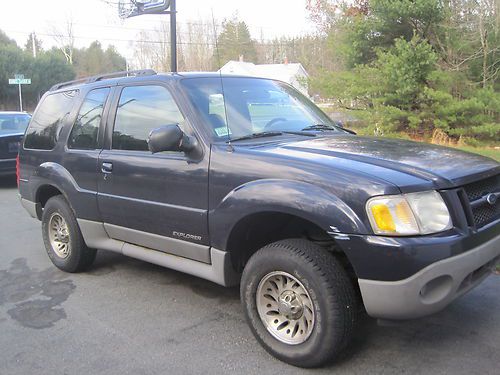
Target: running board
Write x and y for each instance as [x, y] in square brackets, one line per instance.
[219, 271]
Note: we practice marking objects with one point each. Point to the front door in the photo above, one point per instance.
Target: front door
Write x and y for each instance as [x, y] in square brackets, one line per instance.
[158, 200]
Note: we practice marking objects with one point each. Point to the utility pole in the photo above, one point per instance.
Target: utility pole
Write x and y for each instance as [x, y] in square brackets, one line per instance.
[34, 45]
[173, 36]
[20, 99]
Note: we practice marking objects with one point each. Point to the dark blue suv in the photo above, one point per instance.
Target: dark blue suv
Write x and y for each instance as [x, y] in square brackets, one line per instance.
[12, 128]
[243, 180]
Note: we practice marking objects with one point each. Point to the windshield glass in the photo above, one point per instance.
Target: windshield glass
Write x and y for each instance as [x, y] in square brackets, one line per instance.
[253, 106]
[13, 123]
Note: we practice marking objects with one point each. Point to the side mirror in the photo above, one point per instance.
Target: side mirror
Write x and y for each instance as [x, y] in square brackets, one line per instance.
[169, 138]
[340, 124]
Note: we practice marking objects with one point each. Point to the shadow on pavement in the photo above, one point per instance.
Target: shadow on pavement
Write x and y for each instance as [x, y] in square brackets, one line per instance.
[108, 262]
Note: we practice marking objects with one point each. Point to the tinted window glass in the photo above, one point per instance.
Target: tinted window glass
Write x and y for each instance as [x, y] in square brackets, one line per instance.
[15, 123]
[140, 110]
[84, 133]
[45, 126]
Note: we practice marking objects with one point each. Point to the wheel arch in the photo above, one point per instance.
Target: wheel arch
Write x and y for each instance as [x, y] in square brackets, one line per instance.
[265, 211]
[53, 179]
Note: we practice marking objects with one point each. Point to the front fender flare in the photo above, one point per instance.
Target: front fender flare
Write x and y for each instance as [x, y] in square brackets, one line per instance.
[300, 199]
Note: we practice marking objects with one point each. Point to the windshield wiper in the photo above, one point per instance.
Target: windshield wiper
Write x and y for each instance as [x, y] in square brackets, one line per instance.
[271, 134]
[328, 127]
[257, 135]
[320, 127]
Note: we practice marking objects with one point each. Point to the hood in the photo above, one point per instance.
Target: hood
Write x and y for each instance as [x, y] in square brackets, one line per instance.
[445, 166]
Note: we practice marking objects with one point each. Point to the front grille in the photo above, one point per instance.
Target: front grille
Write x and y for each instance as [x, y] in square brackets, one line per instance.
[483, 212]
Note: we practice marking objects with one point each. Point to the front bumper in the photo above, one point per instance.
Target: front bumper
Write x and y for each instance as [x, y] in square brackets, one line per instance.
[433, 287]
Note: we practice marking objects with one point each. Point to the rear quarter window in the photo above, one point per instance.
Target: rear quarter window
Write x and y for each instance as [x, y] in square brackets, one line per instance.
[44, 128]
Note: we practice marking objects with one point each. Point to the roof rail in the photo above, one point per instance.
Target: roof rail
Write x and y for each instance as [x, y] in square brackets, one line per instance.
[57, 86]
[100, 77]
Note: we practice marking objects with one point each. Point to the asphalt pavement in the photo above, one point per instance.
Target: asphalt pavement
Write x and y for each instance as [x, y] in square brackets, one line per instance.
[129, 317]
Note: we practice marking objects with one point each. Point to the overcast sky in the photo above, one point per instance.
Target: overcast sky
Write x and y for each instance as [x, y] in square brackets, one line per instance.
[97, 19]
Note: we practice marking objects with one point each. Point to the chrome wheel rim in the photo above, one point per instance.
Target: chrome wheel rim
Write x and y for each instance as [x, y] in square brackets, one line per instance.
[59, 235]
[285, 307]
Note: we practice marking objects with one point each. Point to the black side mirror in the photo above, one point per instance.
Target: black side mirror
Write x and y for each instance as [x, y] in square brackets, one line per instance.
[340, 124]
[169, 138]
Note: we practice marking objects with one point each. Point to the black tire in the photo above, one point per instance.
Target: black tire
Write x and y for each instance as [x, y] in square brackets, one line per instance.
[330, 290]
[79, 256]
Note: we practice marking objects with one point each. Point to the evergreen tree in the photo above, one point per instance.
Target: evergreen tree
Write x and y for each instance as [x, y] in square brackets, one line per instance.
[235, 41]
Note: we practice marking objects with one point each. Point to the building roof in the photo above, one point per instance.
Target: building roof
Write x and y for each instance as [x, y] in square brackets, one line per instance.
[291, 73]
[283, 72]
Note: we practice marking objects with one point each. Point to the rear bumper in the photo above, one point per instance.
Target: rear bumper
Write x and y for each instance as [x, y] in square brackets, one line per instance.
[432, 288]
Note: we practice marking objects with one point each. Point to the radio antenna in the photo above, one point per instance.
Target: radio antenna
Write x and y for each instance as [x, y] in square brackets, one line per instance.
[230, 147]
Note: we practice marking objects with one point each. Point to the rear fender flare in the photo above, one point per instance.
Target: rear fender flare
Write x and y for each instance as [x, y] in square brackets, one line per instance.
[54, 174]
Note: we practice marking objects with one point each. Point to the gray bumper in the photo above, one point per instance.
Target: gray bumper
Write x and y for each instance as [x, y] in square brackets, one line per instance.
[33, 208]
[432, 288]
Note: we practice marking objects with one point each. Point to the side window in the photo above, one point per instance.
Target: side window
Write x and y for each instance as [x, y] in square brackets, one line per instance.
[140, 110]
[217, 114]
[44, 128]
[84, 133]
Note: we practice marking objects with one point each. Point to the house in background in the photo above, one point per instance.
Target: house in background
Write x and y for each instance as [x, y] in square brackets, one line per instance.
[292, 73]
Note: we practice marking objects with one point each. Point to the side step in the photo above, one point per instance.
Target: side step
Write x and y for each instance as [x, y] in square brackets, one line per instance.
[220, 271]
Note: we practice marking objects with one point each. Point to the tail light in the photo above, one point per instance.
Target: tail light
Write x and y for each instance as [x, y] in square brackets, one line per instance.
[17, 170]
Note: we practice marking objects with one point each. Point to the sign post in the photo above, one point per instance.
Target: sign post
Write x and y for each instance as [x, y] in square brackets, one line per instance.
[20, 80]
[133, 8]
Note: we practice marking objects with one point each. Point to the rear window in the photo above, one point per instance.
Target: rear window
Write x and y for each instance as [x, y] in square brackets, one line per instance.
[15, 123]
[45, 126]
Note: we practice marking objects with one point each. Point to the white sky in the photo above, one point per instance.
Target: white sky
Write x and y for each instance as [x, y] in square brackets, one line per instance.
[96, 20]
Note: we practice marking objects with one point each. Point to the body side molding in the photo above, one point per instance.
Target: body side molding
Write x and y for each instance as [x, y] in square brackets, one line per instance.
[174, 246]
[219, 271]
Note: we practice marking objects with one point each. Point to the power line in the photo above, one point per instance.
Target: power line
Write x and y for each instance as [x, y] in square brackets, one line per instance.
[208, 23]
[182, 23]
[264, 42]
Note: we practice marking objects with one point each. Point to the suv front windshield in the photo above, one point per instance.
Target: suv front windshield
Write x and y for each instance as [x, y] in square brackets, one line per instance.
[253, 106]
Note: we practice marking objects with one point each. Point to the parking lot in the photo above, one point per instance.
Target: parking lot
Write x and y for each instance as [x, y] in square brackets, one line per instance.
[129, 317]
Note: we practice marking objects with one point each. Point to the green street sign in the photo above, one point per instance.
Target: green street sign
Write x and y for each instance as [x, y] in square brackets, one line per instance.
[20, 81]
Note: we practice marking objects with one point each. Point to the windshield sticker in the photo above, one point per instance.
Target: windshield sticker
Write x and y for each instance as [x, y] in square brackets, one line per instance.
[222, 132]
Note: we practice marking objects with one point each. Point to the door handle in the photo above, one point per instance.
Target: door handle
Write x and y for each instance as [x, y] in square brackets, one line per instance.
[107, 167]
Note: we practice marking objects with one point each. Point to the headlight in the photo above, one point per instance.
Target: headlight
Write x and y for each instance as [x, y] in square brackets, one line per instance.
[408, 214]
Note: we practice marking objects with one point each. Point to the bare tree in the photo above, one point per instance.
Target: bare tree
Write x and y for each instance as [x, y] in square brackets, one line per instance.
[195, 50]
[198, 46]
[65, 38]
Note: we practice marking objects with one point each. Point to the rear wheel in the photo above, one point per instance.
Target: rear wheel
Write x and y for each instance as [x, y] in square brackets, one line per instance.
[299, 302]
[62, 237]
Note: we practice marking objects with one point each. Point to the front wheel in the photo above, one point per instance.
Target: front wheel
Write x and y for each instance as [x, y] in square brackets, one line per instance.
[299, 302]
